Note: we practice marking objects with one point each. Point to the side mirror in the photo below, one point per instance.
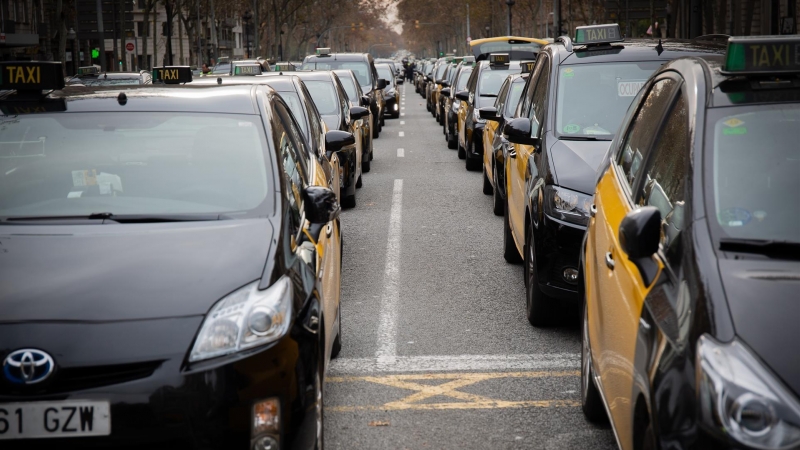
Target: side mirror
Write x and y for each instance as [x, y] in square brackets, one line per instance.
[336, 140]
[320, 205]
[358, 112]
[518, 131]
[382, 83]
[446, 91]
[639, 236]
[463, 96]
[399, 80]
[488, 113]
[365, 101]
[445, 84]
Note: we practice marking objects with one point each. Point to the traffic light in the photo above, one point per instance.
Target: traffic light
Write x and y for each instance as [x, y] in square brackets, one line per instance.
[361, 26]
[441, 54]
[95, 53]
[416, 24]
[353, 26]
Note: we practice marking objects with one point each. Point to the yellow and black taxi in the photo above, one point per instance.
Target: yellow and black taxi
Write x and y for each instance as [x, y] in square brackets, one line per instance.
[481, 90]
[350, 85]
[189, 311]
[692, 257]
[494, 144]
[451, 103]
[363, 66]
[434, 83]
[570, 110]
[391, 93]
[424, 75]
[93, 76]
[444, 82]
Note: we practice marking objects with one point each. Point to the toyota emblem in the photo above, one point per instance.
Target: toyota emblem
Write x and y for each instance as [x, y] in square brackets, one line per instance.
[28, 366]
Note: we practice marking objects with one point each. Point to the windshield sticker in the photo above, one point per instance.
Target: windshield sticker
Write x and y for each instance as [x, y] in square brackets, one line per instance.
[734, 217]
[629, 88]
[733, 122]
[572, 128]
[568, 73]
[733, 127]
[760, 215]
[84, 177]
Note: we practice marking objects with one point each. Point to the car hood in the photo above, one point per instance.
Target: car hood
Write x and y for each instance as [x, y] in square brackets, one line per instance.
[126, 271]
[762, 297]
[576, 163]
[331, 121]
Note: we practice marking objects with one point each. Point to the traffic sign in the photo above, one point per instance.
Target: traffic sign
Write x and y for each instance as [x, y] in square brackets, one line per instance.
[129, 46]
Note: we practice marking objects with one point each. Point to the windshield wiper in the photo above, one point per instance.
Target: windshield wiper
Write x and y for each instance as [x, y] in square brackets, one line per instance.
[769, 247]
[582, 138]
[107, 217]
[488, 95]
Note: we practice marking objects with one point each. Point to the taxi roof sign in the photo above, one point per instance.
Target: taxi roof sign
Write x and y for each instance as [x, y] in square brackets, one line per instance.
[527, 66]
[247, 69]
[172, 74]
[762, 55]
[598, 34]
[88, 70]
[496, 59]
[31, 75]
[323, 51]
[469, 59]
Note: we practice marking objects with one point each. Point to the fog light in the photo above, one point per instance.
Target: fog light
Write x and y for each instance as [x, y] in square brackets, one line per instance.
[395, 106]
[266, 417]
[265, 443]
[571, 275]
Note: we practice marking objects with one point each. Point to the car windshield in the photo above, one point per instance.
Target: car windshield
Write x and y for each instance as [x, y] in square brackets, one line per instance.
[132, 163]
[754, 172]
[324, 97]
[293, 101]
[385, 72]
[492, 79]
[463, 78]
[349, 88]
[514, 95]
[440, 71]
[360, 69]
[592, 98]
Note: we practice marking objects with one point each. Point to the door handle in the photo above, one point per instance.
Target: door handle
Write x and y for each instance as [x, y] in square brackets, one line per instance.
[512, 154]
[610, 260]
[593, 210]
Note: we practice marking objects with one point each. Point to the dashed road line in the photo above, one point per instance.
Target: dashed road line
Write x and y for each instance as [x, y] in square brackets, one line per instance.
[402, 122]
[401, 152]
[456, 363]
[387, 327]
[401, 134]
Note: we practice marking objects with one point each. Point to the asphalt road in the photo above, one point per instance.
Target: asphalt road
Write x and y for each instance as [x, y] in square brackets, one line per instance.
[437, 353]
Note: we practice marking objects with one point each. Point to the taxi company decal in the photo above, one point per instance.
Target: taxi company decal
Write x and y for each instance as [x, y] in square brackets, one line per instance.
[629, 88]
[572, 128]
[733, 127]
[568, 73]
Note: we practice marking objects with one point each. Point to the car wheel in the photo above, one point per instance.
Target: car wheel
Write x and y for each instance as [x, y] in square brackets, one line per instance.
[591, 402]
[472, 164]
[337, 342]
[487, 185]
[649, 439]
[383, 121]
[366, 165]
[428, 106]
[538, 308]
[359, 183]
[319, 417]
[462, 154]
[498, 205]
[452, 141]
[349, 201]
[510, 252]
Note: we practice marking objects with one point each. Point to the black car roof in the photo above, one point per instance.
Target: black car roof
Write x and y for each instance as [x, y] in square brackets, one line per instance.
[635, 50]
[157, 98]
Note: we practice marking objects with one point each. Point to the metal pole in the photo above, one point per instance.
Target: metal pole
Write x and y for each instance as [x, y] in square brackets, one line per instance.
[102, 35]
[469, 34]
[556, 19]
[197, 31]
[508, 25]
[540, 15]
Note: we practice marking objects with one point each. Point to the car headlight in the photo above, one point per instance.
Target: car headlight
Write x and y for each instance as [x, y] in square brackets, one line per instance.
[570, 206]
[740, 397]
[244, 319]
[476, 116]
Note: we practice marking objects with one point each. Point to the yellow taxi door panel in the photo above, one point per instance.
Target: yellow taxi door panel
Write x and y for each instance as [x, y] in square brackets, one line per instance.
[516, 214]
[488, 138]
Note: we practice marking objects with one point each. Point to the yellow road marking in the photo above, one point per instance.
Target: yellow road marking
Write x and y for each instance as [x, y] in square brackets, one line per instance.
[449, 389]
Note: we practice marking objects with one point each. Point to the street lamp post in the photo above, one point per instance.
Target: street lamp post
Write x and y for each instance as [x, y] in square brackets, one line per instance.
[510, 3]
[71, 36]
[246, 18]
[487, 28]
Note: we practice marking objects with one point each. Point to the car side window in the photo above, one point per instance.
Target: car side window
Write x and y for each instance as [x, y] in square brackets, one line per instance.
[345, 103]
[499, 104]
[665, 179]
[538, 102]
[645, 124]
[292, 164]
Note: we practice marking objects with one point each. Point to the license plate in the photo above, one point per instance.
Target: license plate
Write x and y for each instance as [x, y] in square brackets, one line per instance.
[75, 418]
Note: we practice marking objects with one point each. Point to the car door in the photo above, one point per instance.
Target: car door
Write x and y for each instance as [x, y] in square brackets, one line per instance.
[618, 292]
[517, 166]
[491, 127]
[464, 110]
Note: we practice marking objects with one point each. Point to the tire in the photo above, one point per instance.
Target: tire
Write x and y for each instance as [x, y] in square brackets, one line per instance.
[591, 402]
[428, 106]
[452, 142]
[349, 201]
[510, 252]
[487, 185]
[498, 204]
[538, 307]
[359, 183]
[472, 165]
[337, 341]
[462, 154]
[365, 165]
[383, 121]
[649, 440]
[396, 114]
[319, 394]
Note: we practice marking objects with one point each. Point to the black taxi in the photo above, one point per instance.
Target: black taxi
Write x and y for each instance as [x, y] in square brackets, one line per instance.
[691, 262]
[158, 279]
[569, 112]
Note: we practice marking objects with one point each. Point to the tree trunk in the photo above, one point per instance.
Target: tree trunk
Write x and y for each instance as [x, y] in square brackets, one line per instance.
[722, 13]
[213, 25]
[62, 36]
[145, 34]
[168, 9]
[708, 15]
[748, 16]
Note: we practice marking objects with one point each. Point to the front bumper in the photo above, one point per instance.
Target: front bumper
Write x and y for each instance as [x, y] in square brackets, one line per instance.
[207, 405]
[557, 249]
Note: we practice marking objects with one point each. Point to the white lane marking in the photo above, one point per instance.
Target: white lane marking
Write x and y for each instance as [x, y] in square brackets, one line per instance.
[401, 152]
[387, 327]
[402, 107]
[403, 114]
[402, 122]
[456, 363]
[401, 134]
